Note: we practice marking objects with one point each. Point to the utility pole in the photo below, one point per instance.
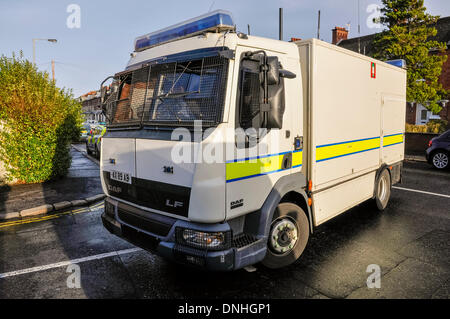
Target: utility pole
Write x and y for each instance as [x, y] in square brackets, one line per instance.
[280, 36]
[318, 26]
[53, 70]
[248, 28]
[359, 31]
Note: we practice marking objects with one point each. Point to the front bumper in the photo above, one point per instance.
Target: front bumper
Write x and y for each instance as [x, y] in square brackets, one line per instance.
[241, 254]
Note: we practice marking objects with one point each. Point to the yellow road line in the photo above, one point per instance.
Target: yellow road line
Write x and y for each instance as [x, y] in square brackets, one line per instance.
[47, 217]
[97, 205]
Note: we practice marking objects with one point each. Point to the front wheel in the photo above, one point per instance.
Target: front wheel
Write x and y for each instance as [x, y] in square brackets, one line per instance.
[88, 151]
[383, 190]
[288, 236]
[440, 160]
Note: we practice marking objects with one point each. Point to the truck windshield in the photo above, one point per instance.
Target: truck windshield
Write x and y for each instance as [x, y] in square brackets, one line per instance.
[175, 93]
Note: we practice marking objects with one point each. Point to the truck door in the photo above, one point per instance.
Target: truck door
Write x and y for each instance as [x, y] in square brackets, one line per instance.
[392, 128]
[264, 156]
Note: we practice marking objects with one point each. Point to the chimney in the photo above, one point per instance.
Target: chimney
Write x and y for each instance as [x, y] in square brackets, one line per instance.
[295, 39]
[339, 34]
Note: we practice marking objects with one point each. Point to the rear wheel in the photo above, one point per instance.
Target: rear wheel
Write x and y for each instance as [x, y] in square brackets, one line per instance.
[97, 152]
[288, 236]
[383, 190]
[88, 151]
[440, 160]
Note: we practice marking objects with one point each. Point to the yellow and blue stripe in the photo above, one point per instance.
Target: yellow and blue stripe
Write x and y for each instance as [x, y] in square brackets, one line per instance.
[393, 139]
[239, 169]
[331, 151]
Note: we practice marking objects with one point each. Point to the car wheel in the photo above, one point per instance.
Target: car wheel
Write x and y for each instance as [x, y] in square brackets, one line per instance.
[288, 236]
[88, 151]
[440, 160]
[97, 152]
[383, 190]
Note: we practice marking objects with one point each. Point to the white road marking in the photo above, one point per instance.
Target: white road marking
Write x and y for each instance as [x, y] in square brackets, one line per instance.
[69, 262]
[423, 192]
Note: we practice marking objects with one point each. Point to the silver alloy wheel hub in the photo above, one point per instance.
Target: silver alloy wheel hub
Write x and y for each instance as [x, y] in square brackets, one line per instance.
[440, 160]
[283, 236]
[382, 188]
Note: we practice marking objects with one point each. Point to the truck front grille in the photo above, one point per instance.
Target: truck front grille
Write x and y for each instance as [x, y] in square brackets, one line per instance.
[147, 224]
[151, 194]
[140, 239]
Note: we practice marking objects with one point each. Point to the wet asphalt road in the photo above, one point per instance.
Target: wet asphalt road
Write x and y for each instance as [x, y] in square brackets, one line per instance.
[409, 241]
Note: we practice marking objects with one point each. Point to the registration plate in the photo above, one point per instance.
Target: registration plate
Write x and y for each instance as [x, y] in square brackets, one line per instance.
[121, 177]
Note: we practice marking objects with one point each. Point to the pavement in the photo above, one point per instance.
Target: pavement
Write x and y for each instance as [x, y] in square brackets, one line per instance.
[82, 181]
[409, 242]
[415, 158]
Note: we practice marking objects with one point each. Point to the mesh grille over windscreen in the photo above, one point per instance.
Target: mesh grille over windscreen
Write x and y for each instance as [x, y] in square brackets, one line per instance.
[171, 93]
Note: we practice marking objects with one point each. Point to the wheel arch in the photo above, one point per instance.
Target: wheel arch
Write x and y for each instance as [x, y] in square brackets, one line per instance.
[440, 149]
[289, 188]
[300, 200]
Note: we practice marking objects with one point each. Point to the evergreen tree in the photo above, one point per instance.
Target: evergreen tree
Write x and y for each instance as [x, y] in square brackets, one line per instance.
[408, 37]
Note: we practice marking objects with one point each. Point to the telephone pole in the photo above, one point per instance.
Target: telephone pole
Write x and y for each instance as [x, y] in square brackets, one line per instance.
[53, 70]
[318, 26]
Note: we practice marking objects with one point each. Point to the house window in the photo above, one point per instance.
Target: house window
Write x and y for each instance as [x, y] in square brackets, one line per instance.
[423, 115]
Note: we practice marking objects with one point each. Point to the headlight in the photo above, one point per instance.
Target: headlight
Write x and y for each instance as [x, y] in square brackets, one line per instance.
[203, 240]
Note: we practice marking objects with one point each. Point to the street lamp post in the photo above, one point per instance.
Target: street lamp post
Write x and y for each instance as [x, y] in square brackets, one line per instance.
[34, 47]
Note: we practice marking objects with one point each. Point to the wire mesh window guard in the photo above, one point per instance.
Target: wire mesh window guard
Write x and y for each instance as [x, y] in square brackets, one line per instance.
[171, 94]
[249, 99]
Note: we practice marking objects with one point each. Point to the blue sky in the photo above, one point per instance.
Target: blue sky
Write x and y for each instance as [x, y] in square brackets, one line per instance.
[100, 47]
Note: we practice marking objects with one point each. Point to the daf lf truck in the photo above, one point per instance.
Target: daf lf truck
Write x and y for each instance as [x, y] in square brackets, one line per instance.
[223, 149]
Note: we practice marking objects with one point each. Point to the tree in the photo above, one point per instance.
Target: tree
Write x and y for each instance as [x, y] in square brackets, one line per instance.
[408, 37]
[37, 122]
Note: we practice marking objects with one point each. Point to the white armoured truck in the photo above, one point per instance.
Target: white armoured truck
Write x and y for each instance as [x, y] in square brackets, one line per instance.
[223, 150]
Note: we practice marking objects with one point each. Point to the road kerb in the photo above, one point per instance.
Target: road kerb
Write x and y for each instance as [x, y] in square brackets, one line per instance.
[9, 215]
[62, 205]
[95, 198]
[43, 209]
[78, 202]
[47, 208]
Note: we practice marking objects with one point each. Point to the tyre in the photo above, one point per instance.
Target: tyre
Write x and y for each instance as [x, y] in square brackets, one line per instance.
[88, 151]
[383, 190]
[288, 236]
[97, 152]
[440, 160]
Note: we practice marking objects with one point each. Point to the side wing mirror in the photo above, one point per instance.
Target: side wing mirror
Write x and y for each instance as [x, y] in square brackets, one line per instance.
[287, 74]
[273, 70]
[104, 90]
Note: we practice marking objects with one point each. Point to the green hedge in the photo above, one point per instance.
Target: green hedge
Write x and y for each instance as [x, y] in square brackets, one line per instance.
[433, 126]
[37, 122]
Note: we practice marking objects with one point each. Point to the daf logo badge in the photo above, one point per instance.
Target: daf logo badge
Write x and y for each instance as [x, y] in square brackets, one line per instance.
[115, 189]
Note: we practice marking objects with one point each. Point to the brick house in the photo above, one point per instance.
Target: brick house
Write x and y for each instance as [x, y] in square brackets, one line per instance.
[415, 113]
[91, 106]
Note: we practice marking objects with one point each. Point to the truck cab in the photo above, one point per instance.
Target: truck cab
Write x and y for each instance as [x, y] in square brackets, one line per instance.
[202, 161]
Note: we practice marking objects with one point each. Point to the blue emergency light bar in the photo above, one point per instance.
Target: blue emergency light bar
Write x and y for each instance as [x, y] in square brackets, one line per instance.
[398, 63]
[218, 20]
